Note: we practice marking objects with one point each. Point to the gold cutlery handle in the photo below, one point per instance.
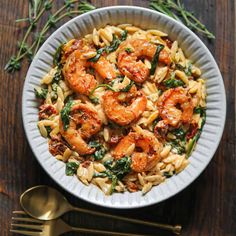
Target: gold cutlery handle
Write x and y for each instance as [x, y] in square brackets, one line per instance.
[103, 232]
[176, 229]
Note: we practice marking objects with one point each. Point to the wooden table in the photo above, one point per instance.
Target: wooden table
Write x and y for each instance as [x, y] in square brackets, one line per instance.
[206, 207]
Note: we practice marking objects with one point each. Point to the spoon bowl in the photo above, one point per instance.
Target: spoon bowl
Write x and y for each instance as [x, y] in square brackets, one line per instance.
[44, 203]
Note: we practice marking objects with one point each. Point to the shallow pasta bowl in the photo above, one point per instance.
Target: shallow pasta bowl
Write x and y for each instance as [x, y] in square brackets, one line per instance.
[194, 49]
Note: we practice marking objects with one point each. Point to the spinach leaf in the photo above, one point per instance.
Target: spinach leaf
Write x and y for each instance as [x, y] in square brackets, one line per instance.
[49, 129]
[114, 181]
[121, 167]
[156, 59]
[98, 55]
[94, 100]
[41, 93]
[188, 70]
[178, 146]
[179, 133]
[128, 50]
[65, 112]
[71, 168]
[167, 174]
[108, 49]
[58, 75]
[173, 83]
[99, 154]
[108, 164]
[124, 35]
[100, 85]
[200, 110]
[114, 45]
[57, 56]
[100, 150]
[115, 171]
[94, 144]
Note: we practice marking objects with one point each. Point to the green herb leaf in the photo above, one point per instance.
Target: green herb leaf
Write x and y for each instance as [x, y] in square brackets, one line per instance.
[84, 7]
[156, 59]
[94, 144]
[12, 65]
[99, 154]
[41, 93]
[98, 55]
[47, 5]
[188, 70]
[179, 133]
[128, 50]
[178, 146]
[100, 175]
[200, 110]
[176, 10]
[100, 85]
[65, 114]
[121, 167]
[173, 83]
[124, 35]
[71, 168]
[108, 49]
[57, 56]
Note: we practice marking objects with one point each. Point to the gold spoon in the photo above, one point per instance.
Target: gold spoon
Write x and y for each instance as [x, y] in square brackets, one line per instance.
[45, 203]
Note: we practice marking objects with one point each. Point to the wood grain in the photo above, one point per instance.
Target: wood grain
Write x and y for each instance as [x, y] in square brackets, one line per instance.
[206, 207]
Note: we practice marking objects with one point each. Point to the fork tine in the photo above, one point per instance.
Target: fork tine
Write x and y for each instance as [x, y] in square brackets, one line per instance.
[26, 232]
[19, 212]
[39, 227]
[26, 219]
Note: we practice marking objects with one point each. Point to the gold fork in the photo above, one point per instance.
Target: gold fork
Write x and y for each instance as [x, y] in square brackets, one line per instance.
[56, 227]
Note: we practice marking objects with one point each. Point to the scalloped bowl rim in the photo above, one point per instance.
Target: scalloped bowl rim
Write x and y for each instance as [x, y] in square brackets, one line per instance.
[91, 193]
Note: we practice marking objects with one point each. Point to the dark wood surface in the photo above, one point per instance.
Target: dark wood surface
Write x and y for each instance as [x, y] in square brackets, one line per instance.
[206, 207]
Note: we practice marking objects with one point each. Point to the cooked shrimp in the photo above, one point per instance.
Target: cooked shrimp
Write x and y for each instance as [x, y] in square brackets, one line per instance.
[167, 105]
[116, 108]
[75, 71]
[84, 122]
[145, 154]
[128, 62]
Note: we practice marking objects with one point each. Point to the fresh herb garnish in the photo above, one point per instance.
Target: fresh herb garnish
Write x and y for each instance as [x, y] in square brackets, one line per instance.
[155, 59]
[34, 35]
[177, 10]
[41, 93]
[71, 168]
[65, 114]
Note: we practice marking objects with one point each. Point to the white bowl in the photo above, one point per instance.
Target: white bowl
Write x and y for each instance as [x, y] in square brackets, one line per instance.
[193, 48]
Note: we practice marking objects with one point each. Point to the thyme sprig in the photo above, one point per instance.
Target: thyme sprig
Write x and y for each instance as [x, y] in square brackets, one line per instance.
[177, 10]
[36, 10]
